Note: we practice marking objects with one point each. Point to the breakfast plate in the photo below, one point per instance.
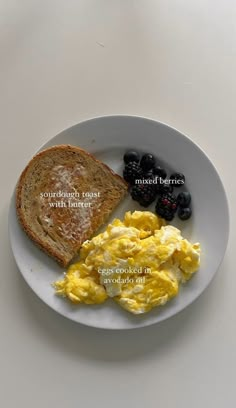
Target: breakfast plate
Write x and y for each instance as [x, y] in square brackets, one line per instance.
[108, 138]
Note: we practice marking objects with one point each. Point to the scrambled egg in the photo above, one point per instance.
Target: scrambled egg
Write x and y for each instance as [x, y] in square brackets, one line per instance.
[139, 262]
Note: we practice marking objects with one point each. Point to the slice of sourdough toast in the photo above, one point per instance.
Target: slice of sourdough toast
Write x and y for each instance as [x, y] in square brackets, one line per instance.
[63, 196]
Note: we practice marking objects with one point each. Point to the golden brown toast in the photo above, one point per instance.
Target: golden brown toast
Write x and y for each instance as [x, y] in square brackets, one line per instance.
[89, 189]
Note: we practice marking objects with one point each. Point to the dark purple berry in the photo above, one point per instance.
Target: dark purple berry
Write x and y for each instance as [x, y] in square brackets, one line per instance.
[145, 194]
[156, 183]
[148, 175]
[166, 206]
[166, 188]
[160, 172]
[131, 156]
[169, 215]
[178, 179]
[147, 162]
[132, 171]
[184, 199]
[160, 211]
[184, 213]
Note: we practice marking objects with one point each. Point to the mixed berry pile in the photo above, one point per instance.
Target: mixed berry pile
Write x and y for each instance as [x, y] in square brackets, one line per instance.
[149, 182]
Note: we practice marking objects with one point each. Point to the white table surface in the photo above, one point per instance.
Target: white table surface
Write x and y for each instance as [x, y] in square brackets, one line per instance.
[65, 61]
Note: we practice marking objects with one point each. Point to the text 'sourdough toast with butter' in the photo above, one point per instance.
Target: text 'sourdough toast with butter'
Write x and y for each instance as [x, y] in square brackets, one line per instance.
[63, 196]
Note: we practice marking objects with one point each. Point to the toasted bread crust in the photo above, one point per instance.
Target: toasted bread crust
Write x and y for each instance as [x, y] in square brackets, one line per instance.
[62, 258]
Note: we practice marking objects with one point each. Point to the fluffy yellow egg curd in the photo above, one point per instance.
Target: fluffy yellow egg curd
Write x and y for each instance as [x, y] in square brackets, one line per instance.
[139, 262]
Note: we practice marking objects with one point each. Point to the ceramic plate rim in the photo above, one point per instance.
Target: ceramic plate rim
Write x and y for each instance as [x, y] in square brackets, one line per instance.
[183, 136]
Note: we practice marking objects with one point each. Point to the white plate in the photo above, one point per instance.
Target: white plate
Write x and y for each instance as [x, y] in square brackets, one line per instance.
[108, 138]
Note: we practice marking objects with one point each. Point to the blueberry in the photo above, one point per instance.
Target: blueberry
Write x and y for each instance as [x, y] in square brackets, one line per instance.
[184, 213]
[131, 156]
[160, 172]
[147, 162]
[178, 179]
[148, 175]
[184, 199]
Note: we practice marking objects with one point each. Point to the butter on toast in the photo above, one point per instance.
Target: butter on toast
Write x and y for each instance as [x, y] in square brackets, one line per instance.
[67, 174]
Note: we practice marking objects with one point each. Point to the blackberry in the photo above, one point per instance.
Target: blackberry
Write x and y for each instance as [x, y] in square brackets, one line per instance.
[131, 156]
[169, 201]
[166, 206]
[184, 199]
[169, 215]
[165, 189]
[150, 177]
[184, 213]
[157, 184]
[178, 179]
[145, 194]
[132, 171]
[160, 172]
[147, 162]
